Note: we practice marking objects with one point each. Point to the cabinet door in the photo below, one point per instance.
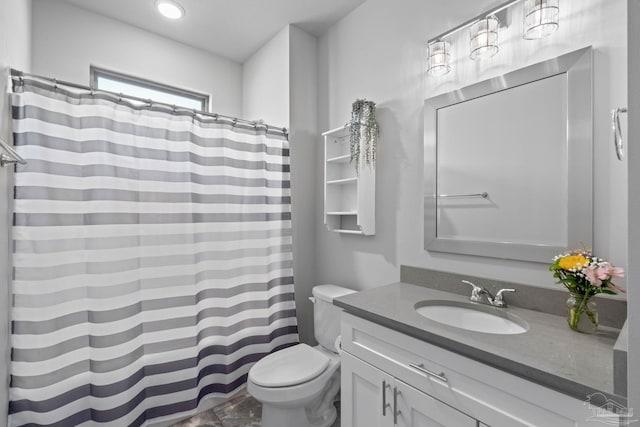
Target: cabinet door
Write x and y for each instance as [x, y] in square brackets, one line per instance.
[417, 409]
[366, 395]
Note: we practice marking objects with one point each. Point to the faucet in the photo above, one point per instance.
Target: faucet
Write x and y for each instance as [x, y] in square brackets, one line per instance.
[481, 295]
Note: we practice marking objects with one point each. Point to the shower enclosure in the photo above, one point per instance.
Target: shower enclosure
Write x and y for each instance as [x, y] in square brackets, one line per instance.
[152, 256]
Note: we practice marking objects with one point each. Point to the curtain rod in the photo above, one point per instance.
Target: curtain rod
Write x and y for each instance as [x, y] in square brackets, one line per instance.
[13, 156]
[254, 123]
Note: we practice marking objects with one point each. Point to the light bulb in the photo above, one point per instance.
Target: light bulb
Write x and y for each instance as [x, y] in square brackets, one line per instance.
[170, 9]
[438, 57]
[540, 18]
[484, 38]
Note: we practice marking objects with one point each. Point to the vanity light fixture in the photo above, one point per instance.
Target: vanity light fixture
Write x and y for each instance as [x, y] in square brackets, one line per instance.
[170, 9]
[484, 38]
[540, 18]
[438, 58]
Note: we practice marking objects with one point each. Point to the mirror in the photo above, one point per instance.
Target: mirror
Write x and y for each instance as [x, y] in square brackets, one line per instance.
[508, 163]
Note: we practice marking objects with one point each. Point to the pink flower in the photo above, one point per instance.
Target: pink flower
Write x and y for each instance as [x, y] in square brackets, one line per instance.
[603, 271]
[608, 271]
[592, 275]
[616, 273]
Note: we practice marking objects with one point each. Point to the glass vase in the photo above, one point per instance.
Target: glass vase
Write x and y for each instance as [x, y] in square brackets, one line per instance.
[582, 313]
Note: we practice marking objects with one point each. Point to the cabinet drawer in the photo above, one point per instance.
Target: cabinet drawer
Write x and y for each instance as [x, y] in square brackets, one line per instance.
[485, 393]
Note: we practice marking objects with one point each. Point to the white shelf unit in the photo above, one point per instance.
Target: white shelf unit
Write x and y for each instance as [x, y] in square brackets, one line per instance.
[349, 196]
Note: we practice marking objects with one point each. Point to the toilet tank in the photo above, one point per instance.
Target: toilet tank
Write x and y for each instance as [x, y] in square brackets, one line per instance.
[326, 316]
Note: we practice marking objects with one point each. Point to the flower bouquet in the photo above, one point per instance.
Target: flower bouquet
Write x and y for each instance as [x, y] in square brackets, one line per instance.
[584, 275]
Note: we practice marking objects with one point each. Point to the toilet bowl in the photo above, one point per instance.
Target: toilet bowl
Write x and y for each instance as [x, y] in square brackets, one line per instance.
[305, 401]
[297, 385]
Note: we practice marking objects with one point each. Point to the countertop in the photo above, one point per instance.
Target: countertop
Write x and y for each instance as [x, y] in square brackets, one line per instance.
[549, 353]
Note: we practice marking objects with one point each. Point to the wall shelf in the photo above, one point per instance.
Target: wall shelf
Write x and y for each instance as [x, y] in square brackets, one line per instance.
[349, 195]
[352, 180]
[338, 230]
[343, 213]
[340, 159]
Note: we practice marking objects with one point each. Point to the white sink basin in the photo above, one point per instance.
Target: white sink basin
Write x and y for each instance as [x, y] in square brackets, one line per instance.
[472, 317]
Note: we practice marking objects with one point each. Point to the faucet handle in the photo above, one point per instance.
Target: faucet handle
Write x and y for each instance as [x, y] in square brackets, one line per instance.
[475, 293]
[498, 301]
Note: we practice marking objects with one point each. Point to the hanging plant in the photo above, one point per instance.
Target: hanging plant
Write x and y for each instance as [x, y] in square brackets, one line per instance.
[363, 133]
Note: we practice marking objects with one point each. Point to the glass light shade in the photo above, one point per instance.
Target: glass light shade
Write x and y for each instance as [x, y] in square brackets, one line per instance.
[540, 18]
[439, 58]
[484, 38]
[170, 9]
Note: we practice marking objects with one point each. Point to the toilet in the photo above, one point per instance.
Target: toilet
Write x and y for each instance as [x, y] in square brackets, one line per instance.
[297, 385]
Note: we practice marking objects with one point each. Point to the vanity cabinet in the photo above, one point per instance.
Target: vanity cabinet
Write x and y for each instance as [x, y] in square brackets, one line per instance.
[385, 371]
[349, 195]
[380, 400]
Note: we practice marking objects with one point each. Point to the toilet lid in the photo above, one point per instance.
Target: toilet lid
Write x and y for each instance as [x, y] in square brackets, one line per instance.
[289, 366]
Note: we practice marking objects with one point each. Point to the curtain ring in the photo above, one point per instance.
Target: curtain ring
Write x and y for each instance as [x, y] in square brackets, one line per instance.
[173, 108]
[120, 98]
[235, 121]
[55, 85]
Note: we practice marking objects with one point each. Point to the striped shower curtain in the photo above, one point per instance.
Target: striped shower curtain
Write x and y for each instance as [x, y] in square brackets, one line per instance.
[152, 258]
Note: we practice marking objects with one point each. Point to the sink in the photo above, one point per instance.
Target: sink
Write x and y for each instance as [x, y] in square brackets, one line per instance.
[472, 317]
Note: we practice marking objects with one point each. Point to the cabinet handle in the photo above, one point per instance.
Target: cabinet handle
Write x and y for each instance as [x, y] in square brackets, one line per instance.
[396, 412]
[384, 398]
[420, 368]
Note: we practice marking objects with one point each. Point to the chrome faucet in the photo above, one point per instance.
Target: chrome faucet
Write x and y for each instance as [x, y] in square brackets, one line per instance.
[482, 295]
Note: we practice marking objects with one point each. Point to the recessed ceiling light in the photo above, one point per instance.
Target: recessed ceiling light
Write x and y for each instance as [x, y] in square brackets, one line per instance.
[170, 9]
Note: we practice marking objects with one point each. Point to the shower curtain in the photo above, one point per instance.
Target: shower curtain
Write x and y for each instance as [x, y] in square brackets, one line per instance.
[152, 257]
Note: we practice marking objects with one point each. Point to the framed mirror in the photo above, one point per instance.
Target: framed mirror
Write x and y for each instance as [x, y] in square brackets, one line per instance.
[508, 163]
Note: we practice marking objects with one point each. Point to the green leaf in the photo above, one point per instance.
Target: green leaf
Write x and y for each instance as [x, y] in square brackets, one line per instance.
[570, 280]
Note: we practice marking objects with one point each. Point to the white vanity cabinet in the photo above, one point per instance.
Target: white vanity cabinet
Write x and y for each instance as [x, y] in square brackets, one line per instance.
[387, 373]
[380, 400]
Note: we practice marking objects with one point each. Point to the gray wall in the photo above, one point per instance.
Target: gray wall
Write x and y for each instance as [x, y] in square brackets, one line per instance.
[280, 86]
[68, 39]
[633, 361]
[378, 52]
[15, 51]
[265, 82]
[303, 131]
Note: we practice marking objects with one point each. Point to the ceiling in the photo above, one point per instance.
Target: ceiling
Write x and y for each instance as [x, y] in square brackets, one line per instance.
[234, 29]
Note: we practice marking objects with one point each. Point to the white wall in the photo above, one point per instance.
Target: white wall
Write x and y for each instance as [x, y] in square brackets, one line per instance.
[265, 82]
[15, 52]
[378, 52]
[633, 360]
[68, 39]
[279, 86]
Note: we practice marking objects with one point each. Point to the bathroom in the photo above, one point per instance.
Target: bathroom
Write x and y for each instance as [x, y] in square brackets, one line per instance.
[307, 83]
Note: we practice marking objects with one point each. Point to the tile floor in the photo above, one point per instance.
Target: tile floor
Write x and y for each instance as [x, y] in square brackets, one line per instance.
[241, 410]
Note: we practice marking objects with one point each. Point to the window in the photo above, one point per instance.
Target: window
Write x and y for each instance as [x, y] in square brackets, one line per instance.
[146, 89]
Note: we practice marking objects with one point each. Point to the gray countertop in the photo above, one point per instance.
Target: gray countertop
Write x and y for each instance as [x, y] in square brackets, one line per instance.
[549, 353]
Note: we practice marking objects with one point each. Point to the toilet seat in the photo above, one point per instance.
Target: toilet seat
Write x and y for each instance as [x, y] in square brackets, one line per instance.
[290, 366]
